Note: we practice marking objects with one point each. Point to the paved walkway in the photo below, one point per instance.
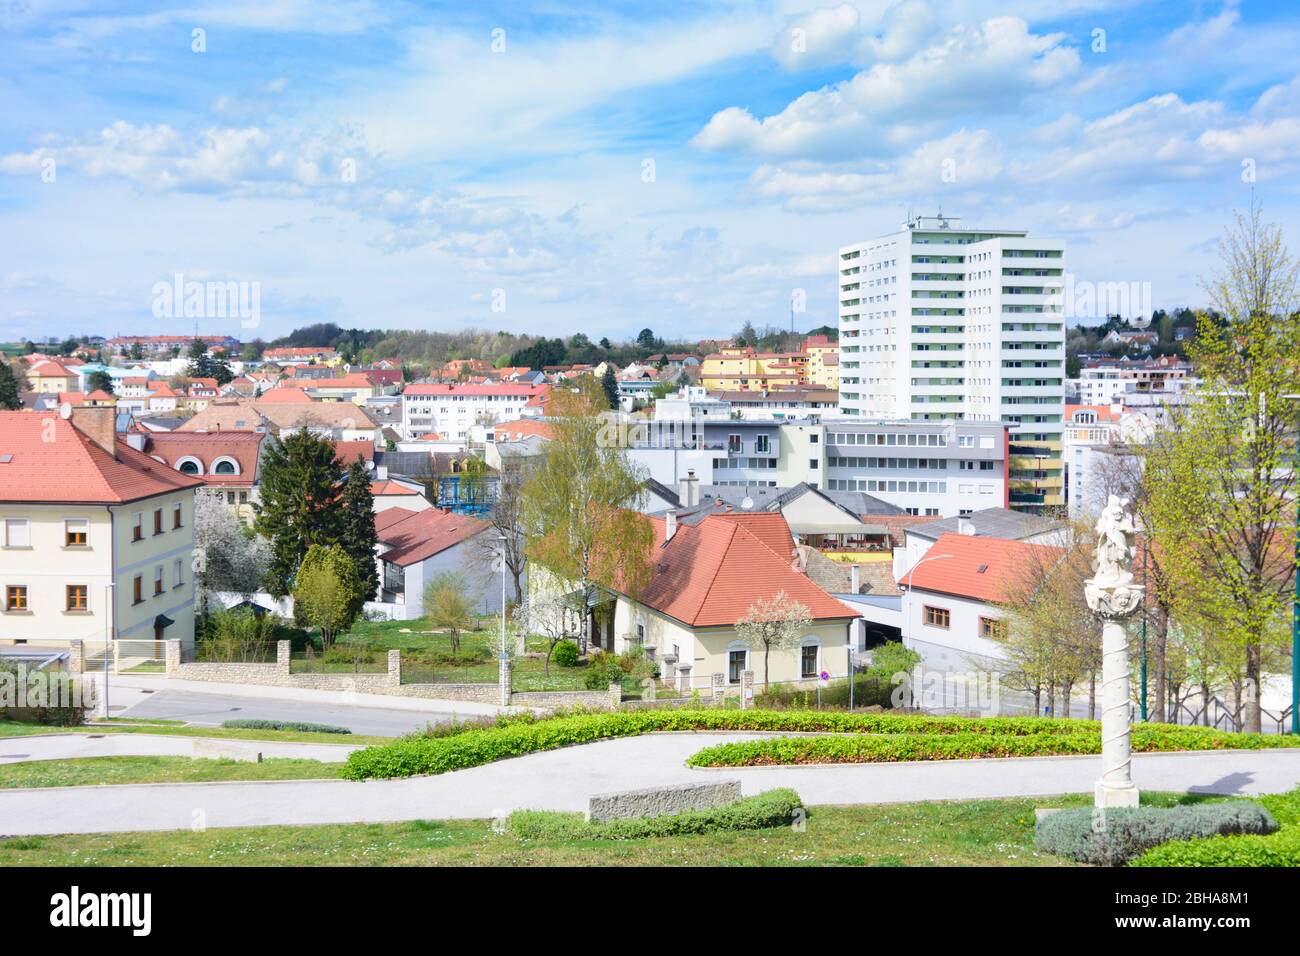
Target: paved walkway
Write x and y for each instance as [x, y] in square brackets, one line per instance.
[564, 779]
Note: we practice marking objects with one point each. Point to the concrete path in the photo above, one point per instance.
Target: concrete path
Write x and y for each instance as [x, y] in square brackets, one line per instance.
[77, 745]
[564, 779]
[210, 710]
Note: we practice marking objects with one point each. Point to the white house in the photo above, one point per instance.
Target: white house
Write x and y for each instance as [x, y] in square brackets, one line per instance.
[414, 547]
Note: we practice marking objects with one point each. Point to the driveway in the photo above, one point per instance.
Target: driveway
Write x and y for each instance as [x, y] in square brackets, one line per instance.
[564, 779]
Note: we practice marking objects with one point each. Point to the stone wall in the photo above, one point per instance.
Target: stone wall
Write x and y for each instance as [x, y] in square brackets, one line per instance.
[388, 683]
[661, 801]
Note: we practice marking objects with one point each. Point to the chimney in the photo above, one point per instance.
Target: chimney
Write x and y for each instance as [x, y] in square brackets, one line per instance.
[965, 526]
[98, 423]
[855, 578]
[671, 526]
[690, 489]
[381, 473]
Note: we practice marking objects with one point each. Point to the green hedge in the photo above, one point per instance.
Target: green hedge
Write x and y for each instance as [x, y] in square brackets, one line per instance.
[1279, 849]
[1114, 836]
[775, 808]
[888, 748]
[410, 756]
[286, 725]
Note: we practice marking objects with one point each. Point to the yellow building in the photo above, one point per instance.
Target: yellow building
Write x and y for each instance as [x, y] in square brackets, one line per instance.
[96, 539]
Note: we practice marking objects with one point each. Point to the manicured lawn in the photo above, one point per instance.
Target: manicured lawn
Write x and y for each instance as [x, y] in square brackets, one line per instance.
[91, 771]
[10, 728]
[976, 833]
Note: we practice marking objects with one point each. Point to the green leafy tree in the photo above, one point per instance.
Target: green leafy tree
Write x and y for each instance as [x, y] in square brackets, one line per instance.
[200, 362]
[1221, 480]
[299, 506]
[100, 381]
[9, 388]
[579, 505]
[448, 606]
[359, 526]
[610, 384]
[327, 592]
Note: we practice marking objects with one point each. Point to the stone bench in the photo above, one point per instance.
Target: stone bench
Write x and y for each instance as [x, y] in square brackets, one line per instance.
[661, 801]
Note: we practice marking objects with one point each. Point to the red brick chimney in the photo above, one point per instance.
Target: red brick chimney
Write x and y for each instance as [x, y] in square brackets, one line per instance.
[98, 423]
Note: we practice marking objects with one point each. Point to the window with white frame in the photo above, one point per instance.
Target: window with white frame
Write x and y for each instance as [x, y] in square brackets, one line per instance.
[810, 660]
[737, 663]
[17, 533]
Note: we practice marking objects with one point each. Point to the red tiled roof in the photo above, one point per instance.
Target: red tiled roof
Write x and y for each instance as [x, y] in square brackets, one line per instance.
[710, 574]
[522, 427]
[770, 527]
[48, 369]
[390, 487]
[49, 460]
[244, 447]
[284, 394]
[346, 452]
[1104, 412]
[1003, 562]
[414, 536]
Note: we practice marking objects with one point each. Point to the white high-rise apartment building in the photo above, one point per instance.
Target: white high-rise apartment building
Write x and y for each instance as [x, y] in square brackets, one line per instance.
[940, 322]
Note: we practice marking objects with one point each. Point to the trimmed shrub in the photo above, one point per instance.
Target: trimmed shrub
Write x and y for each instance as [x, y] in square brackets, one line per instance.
[55, 687]
[775, 808]
[1113, 837]
[566, 654]
[424, 755]
[961, 745]
[302, 726]
[1279, 849]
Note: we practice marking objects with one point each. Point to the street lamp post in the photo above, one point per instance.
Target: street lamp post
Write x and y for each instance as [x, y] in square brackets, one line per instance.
[502, 538]
[1295, 602]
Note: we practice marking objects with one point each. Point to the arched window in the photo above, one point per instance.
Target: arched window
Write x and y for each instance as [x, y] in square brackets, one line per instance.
[225, 466]
[189, 466]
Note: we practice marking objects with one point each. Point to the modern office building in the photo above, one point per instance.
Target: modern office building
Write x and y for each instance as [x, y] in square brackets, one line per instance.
[939, 323]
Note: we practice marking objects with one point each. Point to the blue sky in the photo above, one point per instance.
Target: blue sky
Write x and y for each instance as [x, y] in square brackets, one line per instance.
[553, 168]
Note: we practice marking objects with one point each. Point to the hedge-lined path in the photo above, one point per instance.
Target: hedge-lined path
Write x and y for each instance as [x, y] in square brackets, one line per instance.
[77, 745]
[563, 780]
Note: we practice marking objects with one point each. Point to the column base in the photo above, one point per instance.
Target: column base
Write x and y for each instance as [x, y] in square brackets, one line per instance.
[1115, 796]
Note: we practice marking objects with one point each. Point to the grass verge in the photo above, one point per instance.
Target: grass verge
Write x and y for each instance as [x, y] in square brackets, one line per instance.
[9, 728]
[93, 771]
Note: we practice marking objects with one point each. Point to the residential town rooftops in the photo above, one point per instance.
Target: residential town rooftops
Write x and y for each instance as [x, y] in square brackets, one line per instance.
[389, 487]
[1105, 413]
[979, 568]
[710, 574]
[413, 536]
[346, 452]
[286, 393]
[522, 428]
[46, 459]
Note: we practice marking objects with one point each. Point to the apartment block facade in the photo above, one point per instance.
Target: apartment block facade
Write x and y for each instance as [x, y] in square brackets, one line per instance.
[452, 410]
[941, 323]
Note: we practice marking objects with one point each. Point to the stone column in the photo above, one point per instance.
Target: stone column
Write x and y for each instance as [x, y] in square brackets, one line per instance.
[282, 658]
[667, 669]
[684, 678]
[394, 668]
[172, 658]
[746, 689]
[615, 696]
[76, 657]
[1113, 596]
[719, 688]
[503, 681]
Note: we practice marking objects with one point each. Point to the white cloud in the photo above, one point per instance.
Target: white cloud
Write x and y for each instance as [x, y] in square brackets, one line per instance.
[992, 68]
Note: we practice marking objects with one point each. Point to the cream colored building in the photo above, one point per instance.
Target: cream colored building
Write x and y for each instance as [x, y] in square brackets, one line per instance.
[96, 540]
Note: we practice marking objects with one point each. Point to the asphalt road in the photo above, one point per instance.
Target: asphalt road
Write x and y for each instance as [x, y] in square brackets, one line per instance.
[210, 710]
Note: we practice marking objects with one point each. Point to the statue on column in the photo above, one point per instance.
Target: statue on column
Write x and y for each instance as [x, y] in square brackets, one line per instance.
[1113, 596]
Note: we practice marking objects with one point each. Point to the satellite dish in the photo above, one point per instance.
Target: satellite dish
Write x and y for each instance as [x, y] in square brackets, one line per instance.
[747, 503]
[65, 410]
